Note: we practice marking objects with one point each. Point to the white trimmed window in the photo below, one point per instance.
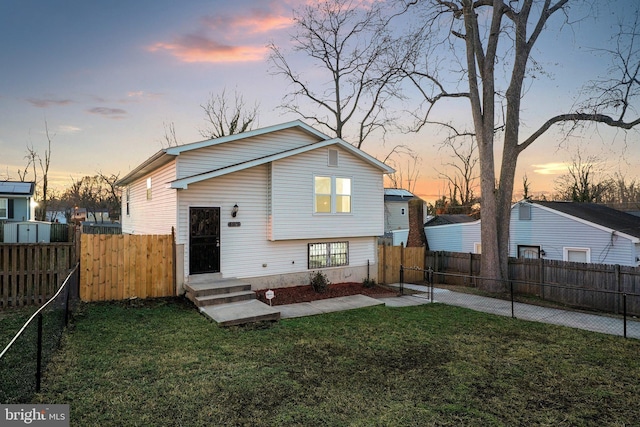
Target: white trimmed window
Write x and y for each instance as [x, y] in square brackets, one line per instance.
[477, 248]
[4, 208]
[576, 254]
[332, 194]
[148, 188]
[128, 200]
[332, 254]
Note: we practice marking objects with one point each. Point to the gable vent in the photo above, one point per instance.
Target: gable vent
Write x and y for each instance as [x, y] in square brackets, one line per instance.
[333, 157]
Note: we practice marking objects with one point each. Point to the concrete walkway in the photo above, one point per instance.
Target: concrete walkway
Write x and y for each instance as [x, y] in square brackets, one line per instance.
[572, 319]
[228, 313]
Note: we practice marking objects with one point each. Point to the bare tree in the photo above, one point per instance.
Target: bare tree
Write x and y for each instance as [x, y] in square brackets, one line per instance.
[112, 193]
[37, 164]
[496, 36]
[584, 181]
[226, 116]
[355, 67]
[462, 178]
[409, 174]
[169, 138]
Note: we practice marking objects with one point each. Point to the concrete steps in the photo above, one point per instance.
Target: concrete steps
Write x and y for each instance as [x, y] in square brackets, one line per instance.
[228, 301]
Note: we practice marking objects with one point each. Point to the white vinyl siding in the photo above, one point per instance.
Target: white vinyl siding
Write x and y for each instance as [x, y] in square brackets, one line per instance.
[553, 232]
[232, 153]
[245, 251]
[151, 216]
[293, 199]
[396, 217]
[454, 237]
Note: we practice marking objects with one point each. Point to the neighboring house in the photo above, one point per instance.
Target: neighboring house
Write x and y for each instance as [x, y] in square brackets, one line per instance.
[396, 209]
[453, 233]
[272, 204]
[396, 214]
[566, 231]
[16, 201]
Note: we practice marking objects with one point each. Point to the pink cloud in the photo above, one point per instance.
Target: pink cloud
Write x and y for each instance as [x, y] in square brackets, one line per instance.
[196, 48]
[220, 38]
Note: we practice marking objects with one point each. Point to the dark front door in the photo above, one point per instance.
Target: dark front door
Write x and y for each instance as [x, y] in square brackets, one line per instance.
[204, 240]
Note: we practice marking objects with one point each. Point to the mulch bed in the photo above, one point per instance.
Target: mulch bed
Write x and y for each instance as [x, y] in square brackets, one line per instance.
[295, 294]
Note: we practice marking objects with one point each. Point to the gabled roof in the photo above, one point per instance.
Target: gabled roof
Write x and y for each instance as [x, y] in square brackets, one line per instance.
[397, 195]
[599, 215]
[447, 219]
[165, 156]
[184, 182]
[17, 188]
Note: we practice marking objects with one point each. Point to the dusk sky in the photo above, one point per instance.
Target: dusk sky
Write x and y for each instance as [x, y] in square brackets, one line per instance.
[107, 76]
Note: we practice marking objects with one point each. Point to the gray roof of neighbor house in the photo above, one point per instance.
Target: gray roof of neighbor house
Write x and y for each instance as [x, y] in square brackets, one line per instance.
[446, 219]
[597, 214]
[397, 195]
[17, 188]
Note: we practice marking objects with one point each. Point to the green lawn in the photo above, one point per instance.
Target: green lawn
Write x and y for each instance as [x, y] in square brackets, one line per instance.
[163, 364]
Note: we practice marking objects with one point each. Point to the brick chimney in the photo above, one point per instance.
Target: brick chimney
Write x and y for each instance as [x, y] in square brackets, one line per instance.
[416, 237]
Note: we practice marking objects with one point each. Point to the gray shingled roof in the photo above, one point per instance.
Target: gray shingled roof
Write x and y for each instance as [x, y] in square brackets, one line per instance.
[16, 188]
[597, 214]
[446, 219]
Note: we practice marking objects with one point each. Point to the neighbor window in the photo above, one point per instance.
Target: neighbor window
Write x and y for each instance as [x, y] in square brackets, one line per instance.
[477, 248]
[148, 188]
[333, 254]
[128, 198]
[577, 254]
[4, 208]
[528, 251]
[332, 195]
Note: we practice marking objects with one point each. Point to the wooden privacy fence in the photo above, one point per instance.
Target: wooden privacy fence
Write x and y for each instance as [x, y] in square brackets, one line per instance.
[593, 286]
[116, 267]
[391, 257]
[31, 273]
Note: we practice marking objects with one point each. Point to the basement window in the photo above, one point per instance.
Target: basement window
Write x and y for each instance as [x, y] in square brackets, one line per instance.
[324, 255]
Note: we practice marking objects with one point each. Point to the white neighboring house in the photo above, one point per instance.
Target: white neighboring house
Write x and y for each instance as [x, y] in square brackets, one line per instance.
[564, 231]
[271, 205]
[396, 214]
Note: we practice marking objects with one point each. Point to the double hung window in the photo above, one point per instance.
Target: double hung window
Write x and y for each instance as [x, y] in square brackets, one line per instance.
[332, 194]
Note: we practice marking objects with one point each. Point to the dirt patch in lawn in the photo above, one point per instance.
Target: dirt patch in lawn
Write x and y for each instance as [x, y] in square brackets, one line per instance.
[295, 294]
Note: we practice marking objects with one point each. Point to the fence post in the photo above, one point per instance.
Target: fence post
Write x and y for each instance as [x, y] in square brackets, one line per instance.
[430, 280]
[401, 279]
[39, 354]
[618, 286]
[513, 315]
[624, 311]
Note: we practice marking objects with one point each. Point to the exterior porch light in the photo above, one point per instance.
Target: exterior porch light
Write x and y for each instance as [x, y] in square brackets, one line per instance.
[234, 211]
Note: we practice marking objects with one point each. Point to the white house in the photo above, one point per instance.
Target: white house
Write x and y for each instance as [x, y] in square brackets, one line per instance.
[16, 201]
[271, 205]
[565, 231]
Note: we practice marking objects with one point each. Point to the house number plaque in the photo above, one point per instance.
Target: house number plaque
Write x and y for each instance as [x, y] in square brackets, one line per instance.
[234, 224]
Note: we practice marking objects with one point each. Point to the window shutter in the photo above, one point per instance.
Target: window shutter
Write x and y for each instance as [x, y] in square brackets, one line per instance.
[10, 209]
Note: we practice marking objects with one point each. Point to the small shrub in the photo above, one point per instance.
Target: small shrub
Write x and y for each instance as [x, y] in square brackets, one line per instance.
[319, 282]
[369, 283]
